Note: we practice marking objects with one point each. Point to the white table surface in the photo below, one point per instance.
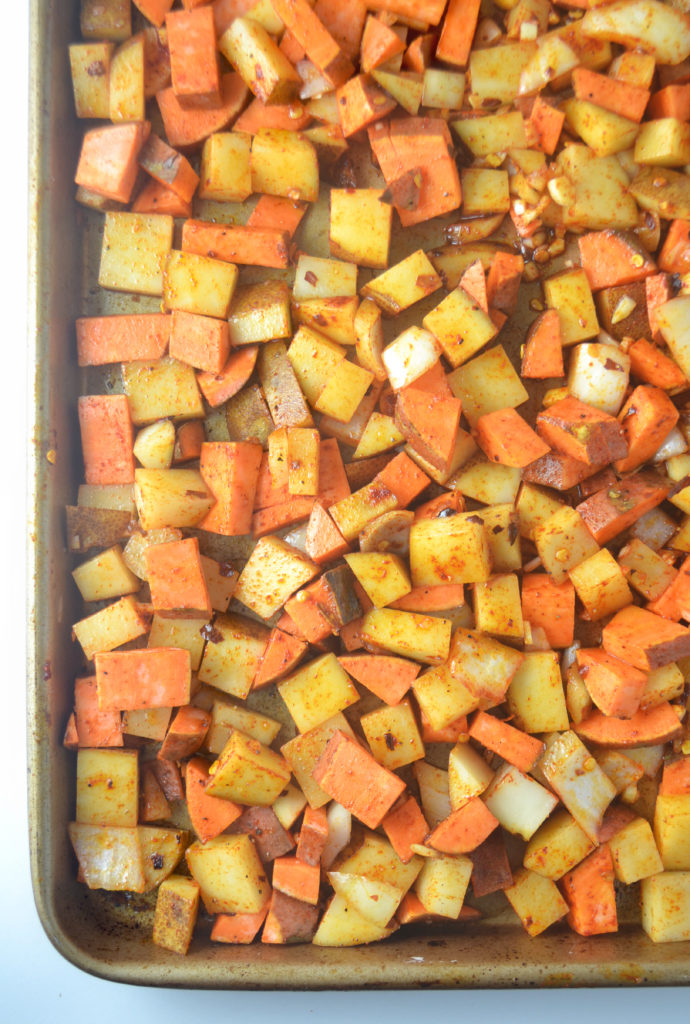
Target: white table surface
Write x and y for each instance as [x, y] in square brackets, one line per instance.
[36, 983]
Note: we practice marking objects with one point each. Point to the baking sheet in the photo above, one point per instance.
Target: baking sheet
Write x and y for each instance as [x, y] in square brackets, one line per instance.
[109, 934]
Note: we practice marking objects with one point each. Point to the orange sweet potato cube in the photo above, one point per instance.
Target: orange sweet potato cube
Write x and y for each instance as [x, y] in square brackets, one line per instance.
[350, 775]
[107, 439]
[464, 829]
[201, 341]
[506, 438]
[615, 687]
[176, 577]
[549, 606]
[404, 826]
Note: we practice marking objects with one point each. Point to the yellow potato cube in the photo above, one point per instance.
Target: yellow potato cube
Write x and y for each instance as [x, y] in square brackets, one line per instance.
[127, 98]
[198, 284]
[672, 830]
[487, 383]
[247, 772]
[90, 67]
[274, 571]
[108, 787]
[185, 633]
[575, 776]
[460, 326]
[557, 846]
[393, 736]
[519, 802]
[635, 854]
[604, 132]
[535, 695]
[314, 358]
[109, 856]
[230, 875]
[360, 226]
[570, 294]
[384, 577]
[601, 585]
[176, 911]
[422, 637]
[534, 506]
[159, 389]
[344, 390]
[403, 284]
[226, 718]
[135, 246]
[162, 850]
[663, 143]
[442, 883]
[380, 434]
[454, 549]
[442, 697]
[154, 445]
[494, 133]
[563, 542]
[468, 774]
[284, 163]
[225, 172]
[484, 190]
[666, 906]
[170, 497]
[259, 312]
[498, 608]
[233, 653]
[317, 691]
[376, 901]
[111, 627]
[536, 900]
[104, 576]
[488, 482]
[342, 925]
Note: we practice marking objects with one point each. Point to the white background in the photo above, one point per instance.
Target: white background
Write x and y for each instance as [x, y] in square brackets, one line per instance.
[36, 984]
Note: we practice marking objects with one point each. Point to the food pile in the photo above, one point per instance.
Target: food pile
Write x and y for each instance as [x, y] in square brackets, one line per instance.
[384, 535]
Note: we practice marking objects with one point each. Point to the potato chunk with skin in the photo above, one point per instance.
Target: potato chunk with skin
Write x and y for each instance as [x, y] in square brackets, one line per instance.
[176, 910]
[274, 571]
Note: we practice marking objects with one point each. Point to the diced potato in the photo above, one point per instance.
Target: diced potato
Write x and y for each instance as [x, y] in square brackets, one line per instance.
[519, 802]
[536, 900]
[127, 99]
[185, 633]
[535, 697]
[135, 246]
[247, 772]
[673, 320]
[487, 383]
[563, 542]
[655, 27]
[109, 857]
[360, 226]
[383, 576]
[443, 89]
[570, 294]
[230, 875]
[460, 326]
[488, 482]
[494, 133]
[422, 637]
[162, 850]
[314, 358]
[342, 925]
[598, 375]
[557, 846]
[442, 883]
[450, 550]
[159, 389]
[154, 445]
[90, 67]
[104, 576]
[111, 627]
[374, 900]
[672, 830]
[108, 787]
[603, 131]
[393, 735]
[664, 143]
[497, 607]
[225, 172]
[284, 163]
[170, 497]
[579, 781]
[403, 284]
[600, 585]
[274, 571]
[409, 356]
[468, 774]
[634, 852]
[317, 278]
[175, 916]
[259, 312]
[198, 284]
[442, 697]
[317, 691]
[233, 654]
[666, 906]
[344, 391]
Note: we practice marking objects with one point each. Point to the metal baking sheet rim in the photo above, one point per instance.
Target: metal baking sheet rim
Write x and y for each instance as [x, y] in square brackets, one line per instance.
[100, 933]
